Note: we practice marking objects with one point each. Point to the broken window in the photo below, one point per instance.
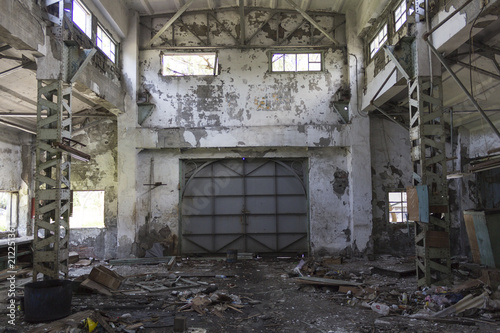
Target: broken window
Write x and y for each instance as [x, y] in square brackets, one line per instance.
[176, 64]
[8, 210]
[378, 41]
[88, 209]
[397, 206]
[106, 44]
[296, 62]
[82, 18]
[400, 15]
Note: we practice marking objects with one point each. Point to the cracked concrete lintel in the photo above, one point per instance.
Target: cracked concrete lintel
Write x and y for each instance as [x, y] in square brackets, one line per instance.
[21, 28]
[100, 90]
[215, 137]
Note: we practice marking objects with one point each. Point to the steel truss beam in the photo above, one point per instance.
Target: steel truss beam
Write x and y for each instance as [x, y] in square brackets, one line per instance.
[243, 40]
[427, 137]
[52, 180]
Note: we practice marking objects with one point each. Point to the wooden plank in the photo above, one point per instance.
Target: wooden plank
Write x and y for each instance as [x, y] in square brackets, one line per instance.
[143, 261]
[325, 282]
[87, 283]
[106, 277]
[60, 325]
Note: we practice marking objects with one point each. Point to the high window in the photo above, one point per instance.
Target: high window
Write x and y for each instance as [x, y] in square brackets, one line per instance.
[400, 15]
[296, 62]
[82, 18]
[378, 41]
[88, 209]
[177, 64]
[8, 210]
[106, 44]
[397, 206]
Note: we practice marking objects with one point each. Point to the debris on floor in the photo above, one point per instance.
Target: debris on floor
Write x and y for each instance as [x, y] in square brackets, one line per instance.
[283, 294]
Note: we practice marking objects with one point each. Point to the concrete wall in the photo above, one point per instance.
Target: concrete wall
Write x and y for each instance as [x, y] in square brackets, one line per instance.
[17, 154]
[100, 173]
[391, 170]
[243, 94]
[244, 111]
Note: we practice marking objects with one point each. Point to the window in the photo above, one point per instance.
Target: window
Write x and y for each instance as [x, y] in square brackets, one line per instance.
[82, 18]
[378, 41]
[106, 44]
[400, 15]
[177, 64]
[8, 210]
[397, 206]
[88, 209]
[296, 62]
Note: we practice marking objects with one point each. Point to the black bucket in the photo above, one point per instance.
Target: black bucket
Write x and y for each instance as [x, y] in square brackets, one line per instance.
[47, 300]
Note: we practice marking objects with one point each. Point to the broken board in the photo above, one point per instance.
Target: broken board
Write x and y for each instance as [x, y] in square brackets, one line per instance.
[325, 282]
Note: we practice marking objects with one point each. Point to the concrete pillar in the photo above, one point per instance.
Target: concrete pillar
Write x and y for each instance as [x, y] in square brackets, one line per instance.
[127, 153]
[360, 158]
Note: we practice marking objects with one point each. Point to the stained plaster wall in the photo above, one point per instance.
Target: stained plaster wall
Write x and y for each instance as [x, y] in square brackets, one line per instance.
[16, 163]
[100, 173]
[329, 191]
[391, 170]
[245, 111]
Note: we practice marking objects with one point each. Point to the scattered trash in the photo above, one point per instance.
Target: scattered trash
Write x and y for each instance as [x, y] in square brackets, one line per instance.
[380, 308]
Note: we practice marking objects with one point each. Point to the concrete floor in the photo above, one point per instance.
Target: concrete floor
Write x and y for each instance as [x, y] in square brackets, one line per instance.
[263, 295]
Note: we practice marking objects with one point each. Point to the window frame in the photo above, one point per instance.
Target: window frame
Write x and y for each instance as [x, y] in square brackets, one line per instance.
[309, 52]
[381, 40]
[403, 16]
[111, 42]
[13, 213]
[73, 210]
[88, 18]
[215, 71]
[404, 206]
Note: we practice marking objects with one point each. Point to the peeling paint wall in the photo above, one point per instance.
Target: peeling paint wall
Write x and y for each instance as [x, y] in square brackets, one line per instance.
[329, 216]
[391, 170]
[100, 173]
[243, 93]
[17, 165]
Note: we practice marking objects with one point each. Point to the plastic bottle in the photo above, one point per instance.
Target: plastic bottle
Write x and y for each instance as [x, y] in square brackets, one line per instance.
[380, 308]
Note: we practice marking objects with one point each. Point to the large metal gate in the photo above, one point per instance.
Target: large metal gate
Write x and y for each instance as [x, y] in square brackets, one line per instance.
[252, 205]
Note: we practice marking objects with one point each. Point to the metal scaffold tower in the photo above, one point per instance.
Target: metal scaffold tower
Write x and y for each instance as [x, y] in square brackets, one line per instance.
[427, 199]
[53, 169]
[428, 202]
[432, 222]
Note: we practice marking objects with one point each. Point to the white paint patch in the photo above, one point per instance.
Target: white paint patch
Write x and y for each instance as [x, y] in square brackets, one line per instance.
[189, 137]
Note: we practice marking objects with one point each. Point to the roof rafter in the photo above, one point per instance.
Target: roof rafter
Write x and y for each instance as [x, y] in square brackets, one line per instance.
[312, 21]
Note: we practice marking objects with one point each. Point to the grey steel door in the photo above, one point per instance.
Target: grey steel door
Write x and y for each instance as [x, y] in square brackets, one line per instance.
[252, 205]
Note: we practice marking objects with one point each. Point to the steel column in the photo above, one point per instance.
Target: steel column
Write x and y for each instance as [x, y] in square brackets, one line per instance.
[428, 139]
[52, 180]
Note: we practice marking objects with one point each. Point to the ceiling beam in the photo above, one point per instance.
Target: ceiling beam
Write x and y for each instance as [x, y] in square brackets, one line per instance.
[147, 7]
[242, 22]
[313, 22]
[19, 127]
[17, 95]
[259, 29]
[170, 22]
[306, 4]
